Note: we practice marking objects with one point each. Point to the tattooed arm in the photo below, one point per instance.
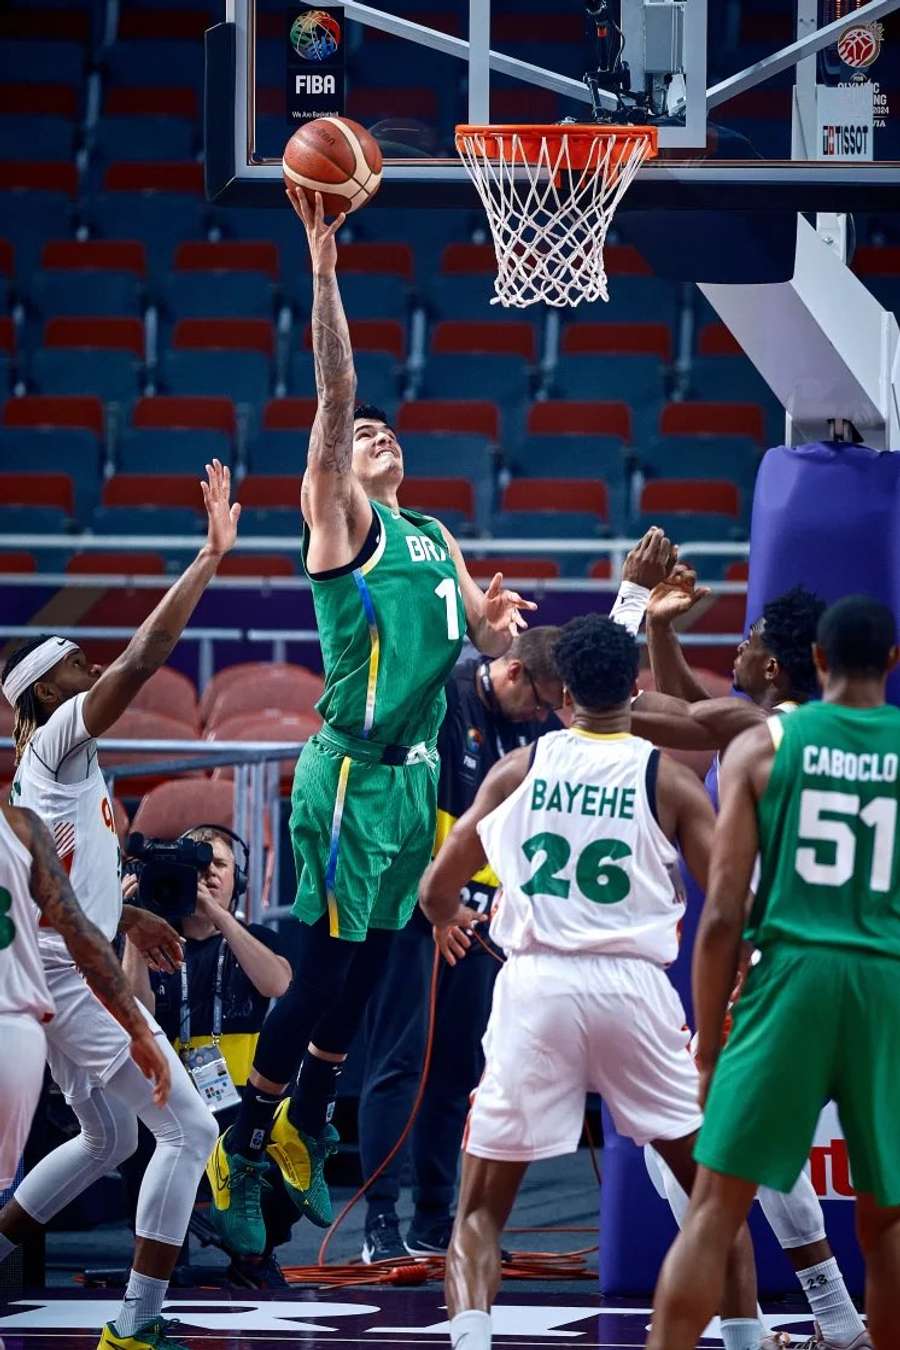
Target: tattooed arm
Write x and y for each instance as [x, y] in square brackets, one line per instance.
[332, 498]
[89, 949]
[158, 634]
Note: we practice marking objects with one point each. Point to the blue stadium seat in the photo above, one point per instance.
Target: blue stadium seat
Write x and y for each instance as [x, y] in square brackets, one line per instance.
[144, 138]
[244, 376]
[569, 457]
[33, 520]
[634, 299]
[597, 376]
[503, 379]
[60, 291]
[279, 452]
[170, 450]
[48, 138]
[43, 62]
[70, 450]
[29, 219]
[278, 225]
[365, 297]
[437, 456]
[462, 296]
[159, 220]
[210, 295]
[112, 375]
[146, 520]
[735, 458]
[548, 525]
[143, 62]
[286, 521]
[376, 377]
[688, 525]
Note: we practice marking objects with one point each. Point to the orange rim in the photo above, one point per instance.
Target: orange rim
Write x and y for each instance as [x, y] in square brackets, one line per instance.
[528, 141]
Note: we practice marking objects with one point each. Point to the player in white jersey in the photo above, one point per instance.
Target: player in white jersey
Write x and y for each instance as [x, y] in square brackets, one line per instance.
[580, 829]
[31, 875]
[62, 704]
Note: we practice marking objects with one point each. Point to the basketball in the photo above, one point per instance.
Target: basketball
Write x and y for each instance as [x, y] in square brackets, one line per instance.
[337, 157]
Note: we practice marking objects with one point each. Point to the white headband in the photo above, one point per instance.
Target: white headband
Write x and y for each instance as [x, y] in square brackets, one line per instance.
[34, 665]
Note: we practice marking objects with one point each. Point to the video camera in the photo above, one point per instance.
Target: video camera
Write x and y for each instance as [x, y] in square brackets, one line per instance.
[168, 872]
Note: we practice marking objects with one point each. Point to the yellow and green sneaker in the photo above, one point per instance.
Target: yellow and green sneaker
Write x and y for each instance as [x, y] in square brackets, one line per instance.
[237, 1184]
[151, 1336]
[301, 1161]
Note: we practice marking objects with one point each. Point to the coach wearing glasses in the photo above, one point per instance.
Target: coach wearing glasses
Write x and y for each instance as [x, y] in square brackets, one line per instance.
[493, 706]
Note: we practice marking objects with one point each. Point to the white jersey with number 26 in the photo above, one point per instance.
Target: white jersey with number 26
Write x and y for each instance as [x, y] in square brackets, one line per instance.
[583, 862]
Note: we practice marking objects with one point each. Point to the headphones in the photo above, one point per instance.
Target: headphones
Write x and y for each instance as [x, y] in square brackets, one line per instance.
[241, 869]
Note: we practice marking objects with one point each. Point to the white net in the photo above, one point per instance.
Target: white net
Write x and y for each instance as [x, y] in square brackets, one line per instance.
[549, 200]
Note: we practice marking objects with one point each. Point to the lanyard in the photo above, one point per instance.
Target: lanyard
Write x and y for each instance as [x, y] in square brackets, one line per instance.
[184, 1025]
[483, 675]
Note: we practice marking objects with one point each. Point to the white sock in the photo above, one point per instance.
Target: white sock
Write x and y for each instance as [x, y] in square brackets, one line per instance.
[741, 1333]
[6, 1247]
[829, 1302]
[143, 1302]
[471, 1331]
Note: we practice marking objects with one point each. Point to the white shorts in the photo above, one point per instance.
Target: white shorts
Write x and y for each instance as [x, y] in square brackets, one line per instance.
[85, 1043]
[21, 1078]
[564, 1025]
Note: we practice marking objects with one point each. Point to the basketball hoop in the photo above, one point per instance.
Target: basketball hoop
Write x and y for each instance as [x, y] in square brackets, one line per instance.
[550, 193]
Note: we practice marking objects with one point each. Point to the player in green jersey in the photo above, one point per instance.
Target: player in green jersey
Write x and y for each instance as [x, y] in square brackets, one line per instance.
[817, 795]
[393, 600]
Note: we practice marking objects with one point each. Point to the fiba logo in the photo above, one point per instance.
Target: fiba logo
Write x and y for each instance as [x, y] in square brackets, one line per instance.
[316, 35]
[860, 45]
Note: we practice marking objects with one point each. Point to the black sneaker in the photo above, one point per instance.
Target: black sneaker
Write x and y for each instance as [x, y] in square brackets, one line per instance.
[430, 1239]
[383, 1241]
[249, 1272]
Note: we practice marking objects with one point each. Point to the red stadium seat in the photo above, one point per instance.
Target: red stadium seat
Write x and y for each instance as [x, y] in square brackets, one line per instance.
[378, 258]
[39, 176]
[7, 258]
[169, 24]
[434, 495]
[7, 334]
[601, 570]
[564, 417]
[183, 412]
[287, 727]
[713, 419]
[366, 103]
[124, 564]
[289, 414]
[173, 807]
[371, 335]
[96, 255]
[524, 27]
[628, 339]
[472, 416]
[153, 489]
[122, 101]
[694, 495]
[624, 260]
[229, 255]
[18, 562]
[556, 494]
[61, 410]
[126, 334]
[469, 258]
[140, 724]
[500, 337]
[483, 569]
[38, 100]
[273, 691]
[872, 260]
[225, 335]
[272, 490]
[256, 565]
[171, 693]
[524, 105]
[738, 571]
[248, 671]
[716, 339]
[181, 177]
[38, 489]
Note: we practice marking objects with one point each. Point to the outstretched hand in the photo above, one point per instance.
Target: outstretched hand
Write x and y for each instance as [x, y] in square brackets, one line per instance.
[651, 560]
[502, 607]
[675, 596]
[222, 514]
[322, 245]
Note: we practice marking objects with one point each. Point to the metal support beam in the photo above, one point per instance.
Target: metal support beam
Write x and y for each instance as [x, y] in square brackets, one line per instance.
[796, 51]
[803, 108]
[479, 65]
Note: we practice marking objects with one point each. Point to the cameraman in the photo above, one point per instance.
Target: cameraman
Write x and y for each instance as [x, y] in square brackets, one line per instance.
[219, 998]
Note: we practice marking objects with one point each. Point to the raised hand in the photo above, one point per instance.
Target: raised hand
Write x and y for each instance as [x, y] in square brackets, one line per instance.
[675, 596]
[222, 513]
[322, 245]
[651, 560]
[502, 607]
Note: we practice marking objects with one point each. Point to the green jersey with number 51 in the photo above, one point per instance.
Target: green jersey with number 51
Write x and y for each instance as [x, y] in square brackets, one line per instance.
[828, 831]
[391, 625]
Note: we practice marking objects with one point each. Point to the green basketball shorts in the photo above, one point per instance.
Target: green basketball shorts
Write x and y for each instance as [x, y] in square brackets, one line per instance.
[813, 1023]
[362, 835]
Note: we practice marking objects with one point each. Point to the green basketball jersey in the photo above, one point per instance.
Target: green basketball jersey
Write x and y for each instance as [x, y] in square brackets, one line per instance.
[390, 631]
[829, 831]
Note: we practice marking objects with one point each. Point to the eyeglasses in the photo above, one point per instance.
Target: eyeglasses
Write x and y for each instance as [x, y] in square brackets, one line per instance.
[542, 704]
